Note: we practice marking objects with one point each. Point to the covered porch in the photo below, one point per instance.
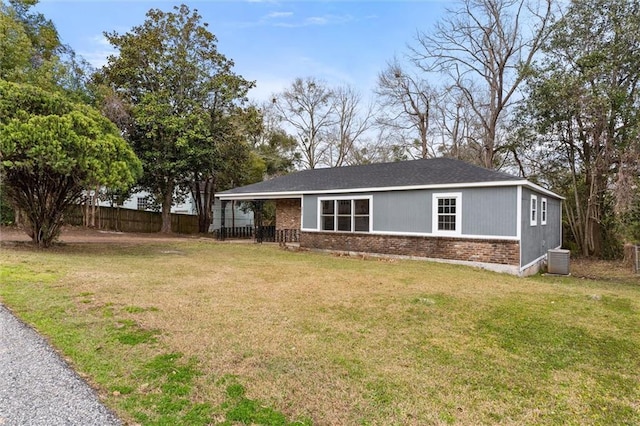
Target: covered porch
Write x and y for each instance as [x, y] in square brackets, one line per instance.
[283, 230]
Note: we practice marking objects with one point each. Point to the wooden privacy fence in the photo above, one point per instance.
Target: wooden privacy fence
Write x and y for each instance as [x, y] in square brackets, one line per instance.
[632, 257]
[127, 220]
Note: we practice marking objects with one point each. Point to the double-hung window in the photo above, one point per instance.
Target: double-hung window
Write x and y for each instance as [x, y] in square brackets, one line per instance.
[447, 213]
[328, 215]
[543, 211]
[345, 215]
[533, 215]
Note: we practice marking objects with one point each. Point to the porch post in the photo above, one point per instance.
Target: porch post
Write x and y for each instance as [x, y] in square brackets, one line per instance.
[258, 219]
[223, 231]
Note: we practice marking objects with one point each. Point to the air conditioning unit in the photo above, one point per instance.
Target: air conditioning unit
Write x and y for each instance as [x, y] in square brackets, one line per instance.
[558, 261]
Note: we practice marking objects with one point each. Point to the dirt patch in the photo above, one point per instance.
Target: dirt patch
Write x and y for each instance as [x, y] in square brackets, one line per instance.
[604, 270]
[73, 234]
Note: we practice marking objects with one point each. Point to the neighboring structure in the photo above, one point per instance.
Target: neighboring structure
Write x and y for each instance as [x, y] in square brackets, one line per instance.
[143, 200]
[441, 209]
[234, 214]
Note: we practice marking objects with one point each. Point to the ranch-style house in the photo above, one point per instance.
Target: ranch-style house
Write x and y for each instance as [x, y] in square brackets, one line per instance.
[440, 209]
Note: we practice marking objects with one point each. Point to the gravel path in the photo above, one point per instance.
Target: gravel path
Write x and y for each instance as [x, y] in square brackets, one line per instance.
[37, 387]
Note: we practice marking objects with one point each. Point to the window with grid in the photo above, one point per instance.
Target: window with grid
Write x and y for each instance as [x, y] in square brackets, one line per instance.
[143, 203]
[345, 215]
[543, 211]
[361, 215]
[534, 210]
[328, 215]
[447, 214]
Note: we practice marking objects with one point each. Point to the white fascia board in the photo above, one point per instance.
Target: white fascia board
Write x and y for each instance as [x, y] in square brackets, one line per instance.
[299, 194]
[542, 190]
[260, 196]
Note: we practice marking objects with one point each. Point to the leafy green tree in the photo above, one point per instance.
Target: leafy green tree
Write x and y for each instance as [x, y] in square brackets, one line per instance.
[269, 141]
[29, 44]
[180, 92]
[31, 52]
[15, 47]
[584, 105]
[50, 149]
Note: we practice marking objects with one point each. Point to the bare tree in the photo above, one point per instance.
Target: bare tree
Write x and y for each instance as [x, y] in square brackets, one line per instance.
[307, 106]
[351, 123]
[406, 103]
[457, 126]
[277, 149]
[482, 47]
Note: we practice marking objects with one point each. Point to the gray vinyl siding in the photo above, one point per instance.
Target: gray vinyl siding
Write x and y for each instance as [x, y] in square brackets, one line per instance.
[490, 211]
[402, 211]
[536, 240]
[485, 211]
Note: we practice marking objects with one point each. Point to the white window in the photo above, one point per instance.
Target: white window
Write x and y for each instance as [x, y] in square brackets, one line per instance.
[447, 214]
[534, 210]
[543, 211]
[345, 214]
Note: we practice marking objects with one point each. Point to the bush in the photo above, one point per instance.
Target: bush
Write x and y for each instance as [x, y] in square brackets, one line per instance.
[7, 214]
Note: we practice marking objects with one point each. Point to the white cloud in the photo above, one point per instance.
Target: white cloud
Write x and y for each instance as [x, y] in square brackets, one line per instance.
[268, 86]
[97, 51]
[316, 21]
[334, 76]
[277, 15]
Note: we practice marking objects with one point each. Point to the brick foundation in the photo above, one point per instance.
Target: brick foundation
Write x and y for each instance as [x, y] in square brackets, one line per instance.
[469, 250]
[288, 213]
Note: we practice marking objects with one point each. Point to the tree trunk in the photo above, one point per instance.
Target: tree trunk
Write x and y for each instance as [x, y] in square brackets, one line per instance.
[167, 202]
[93, 207]
[203, 198]
[45, 232]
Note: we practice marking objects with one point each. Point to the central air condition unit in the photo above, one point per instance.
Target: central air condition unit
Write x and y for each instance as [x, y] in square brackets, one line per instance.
[558, 261]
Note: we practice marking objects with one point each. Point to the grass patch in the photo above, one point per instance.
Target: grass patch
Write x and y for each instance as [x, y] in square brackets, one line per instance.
[128, 332]
[238, 409]
[163, 396]
[138, 309]
[250, 334]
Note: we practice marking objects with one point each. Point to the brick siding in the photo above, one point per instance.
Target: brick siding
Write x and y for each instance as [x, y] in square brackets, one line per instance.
[288, 214]
[470, 250]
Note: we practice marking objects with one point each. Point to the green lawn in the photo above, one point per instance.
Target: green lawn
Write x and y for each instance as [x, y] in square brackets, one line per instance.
[197, 333]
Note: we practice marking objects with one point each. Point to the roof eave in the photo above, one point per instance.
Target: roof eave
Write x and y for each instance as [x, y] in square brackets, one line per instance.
[538, 188]
[298, 194]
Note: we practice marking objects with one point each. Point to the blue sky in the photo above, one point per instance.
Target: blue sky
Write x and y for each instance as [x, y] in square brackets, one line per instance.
[270, 41]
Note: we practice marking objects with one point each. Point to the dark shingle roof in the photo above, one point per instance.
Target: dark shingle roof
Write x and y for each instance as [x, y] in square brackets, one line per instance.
[435, 171]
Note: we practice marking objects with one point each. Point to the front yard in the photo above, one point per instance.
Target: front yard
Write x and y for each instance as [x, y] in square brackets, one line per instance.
[197, 332]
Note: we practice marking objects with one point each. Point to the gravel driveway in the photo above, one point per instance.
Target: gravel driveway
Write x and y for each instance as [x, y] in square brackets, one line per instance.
[37, 387]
